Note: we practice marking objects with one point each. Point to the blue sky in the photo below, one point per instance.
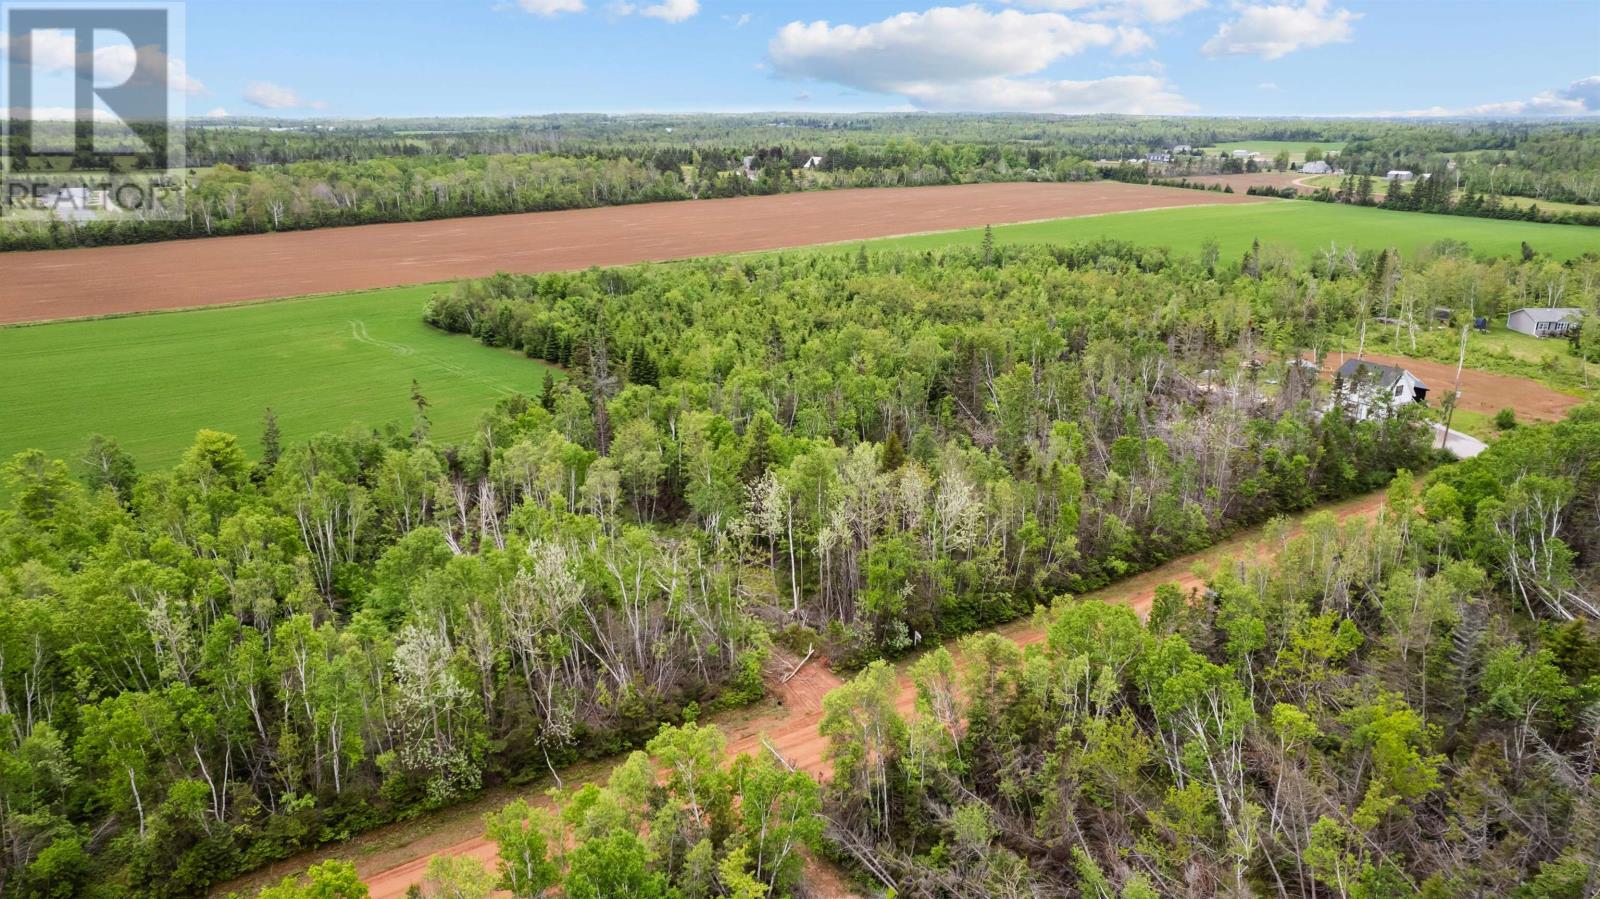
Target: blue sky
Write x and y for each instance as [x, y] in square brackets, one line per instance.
[351, 58]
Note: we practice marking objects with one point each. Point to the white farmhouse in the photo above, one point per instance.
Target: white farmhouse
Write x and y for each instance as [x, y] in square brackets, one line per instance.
[1555, 321]
[1370, 389]
[1181, 149]
[1158, 157]
[1317, 167]
[1399, 175]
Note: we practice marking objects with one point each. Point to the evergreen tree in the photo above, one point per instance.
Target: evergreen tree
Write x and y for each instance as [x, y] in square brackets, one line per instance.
[758, 448]
[893, 454]
[420, 424]
[547, 394]
[1251, 265]
[271, 439]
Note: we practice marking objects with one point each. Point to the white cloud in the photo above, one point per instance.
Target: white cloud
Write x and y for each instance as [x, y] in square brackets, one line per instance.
[1581, 97]
[673, 11]
[1268, 86]
[969, 58]
[56, 114]
[550, 7]
[739, 21]
[1127, 94]
[1272, 32]
[217, 112]
[267, 95]
[942, 44]
[1585, 91]
[54, 51]
[1158, 12]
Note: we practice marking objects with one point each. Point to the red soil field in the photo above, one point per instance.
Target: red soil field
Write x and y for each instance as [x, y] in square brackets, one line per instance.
[790, 731]
[55, 284]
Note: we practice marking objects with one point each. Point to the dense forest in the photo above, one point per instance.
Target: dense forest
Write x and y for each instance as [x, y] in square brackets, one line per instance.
[1405, 709]
[206, 668]
[1409, 707]
[251, 176]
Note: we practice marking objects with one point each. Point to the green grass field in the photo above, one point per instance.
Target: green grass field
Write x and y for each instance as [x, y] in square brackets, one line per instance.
[322, 363]
[1270, 148]
[325, 363]
[1301, 224]
[1380, 186]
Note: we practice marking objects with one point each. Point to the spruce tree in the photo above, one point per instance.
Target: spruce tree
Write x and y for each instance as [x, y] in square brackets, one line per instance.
[893, 454]
[420, 425]
[271, 439]
[547, 395]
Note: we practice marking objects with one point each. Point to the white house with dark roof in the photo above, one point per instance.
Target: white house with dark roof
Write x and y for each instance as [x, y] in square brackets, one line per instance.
[1554, 321]
[1316, 167]
[1370, 388]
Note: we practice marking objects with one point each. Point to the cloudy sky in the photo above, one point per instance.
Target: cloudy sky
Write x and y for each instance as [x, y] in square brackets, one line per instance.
[1215, 57]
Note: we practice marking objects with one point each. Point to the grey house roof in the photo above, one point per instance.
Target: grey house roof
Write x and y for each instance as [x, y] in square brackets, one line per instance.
[1384, 375]
[1546, 314]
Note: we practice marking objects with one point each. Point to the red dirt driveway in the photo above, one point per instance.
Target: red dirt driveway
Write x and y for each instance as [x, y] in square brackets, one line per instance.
[55, 284]
[1481, 391]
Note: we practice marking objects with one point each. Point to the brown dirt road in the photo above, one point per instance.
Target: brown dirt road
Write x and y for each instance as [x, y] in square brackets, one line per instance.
[1481, 391]
[55, 284]
[790, 728]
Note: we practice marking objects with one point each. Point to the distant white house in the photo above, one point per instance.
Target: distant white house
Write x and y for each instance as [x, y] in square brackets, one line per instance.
[1370, 389]
[1316, 168]
[1158, 157]
[1398, 175]
[77, 204]
[1554, 321]
[1245, 154]
[1182, 148]
[814, 162]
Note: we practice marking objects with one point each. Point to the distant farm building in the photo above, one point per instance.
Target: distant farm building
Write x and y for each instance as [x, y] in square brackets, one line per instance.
[1158, 157]
[1371, 388]
[1182, 148]
[1245, 154]
[77, 204]
[1545, 322]
[814, 162]
[1398, 175]
[1316, 168]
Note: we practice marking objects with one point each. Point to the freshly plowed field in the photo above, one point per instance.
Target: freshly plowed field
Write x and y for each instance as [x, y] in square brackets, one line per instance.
[56, 284]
